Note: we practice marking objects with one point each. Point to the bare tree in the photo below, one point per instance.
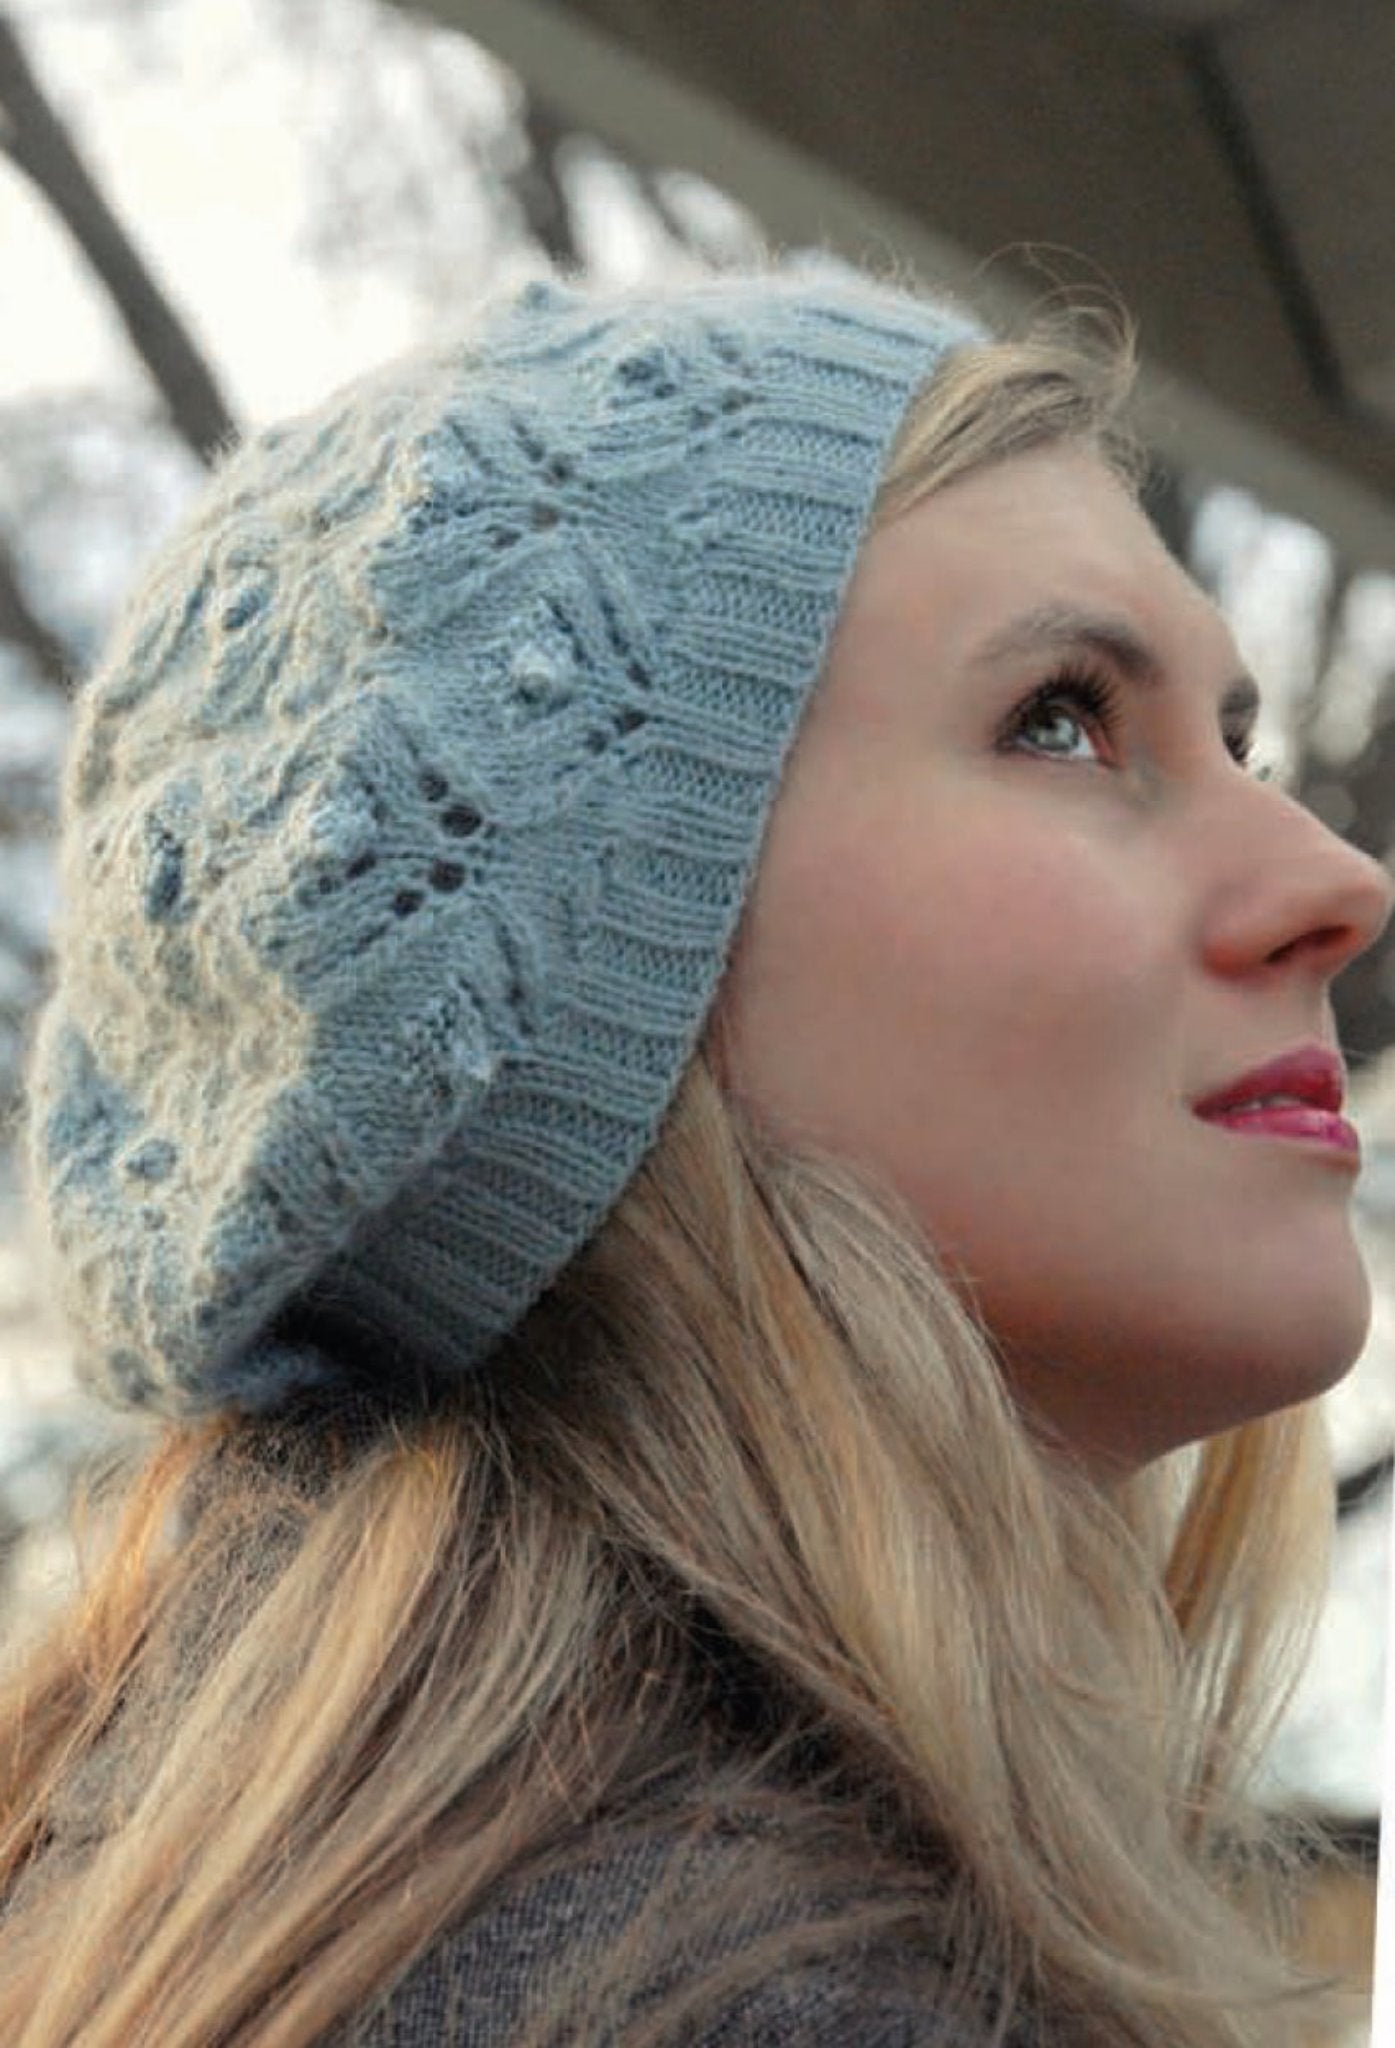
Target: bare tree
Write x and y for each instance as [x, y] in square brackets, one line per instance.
[38, 144]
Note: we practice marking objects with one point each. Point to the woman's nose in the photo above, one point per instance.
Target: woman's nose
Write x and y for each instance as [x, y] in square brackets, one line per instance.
[1296, 891]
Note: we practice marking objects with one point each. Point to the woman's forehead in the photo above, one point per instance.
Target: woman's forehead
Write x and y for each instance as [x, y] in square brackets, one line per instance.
[1019, 550]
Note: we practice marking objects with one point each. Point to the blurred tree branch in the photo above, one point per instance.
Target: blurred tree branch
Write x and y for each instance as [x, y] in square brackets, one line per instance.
[538, 189]
[20, 623]
[1363, 996]
[35, 140]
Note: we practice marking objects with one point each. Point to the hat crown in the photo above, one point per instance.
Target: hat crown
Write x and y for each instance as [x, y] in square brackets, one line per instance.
[410, 819]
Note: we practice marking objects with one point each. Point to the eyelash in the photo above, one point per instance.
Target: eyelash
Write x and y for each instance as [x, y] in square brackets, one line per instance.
[1096, 693]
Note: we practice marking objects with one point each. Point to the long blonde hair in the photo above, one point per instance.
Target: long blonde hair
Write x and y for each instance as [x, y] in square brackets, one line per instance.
[336, 1674]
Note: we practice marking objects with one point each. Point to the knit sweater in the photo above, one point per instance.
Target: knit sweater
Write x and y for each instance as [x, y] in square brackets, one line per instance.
[529, 1967]
[474, 1987]
[546, 1939]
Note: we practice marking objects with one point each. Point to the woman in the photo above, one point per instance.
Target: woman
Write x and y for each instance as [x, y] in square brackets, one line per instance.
[650, 899]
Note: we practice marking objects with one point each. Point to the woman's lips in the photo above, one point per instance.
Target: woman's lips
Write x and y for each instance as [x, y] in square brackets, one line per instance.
[1292, 1120]
[1312, 1073]
[1297, 1096]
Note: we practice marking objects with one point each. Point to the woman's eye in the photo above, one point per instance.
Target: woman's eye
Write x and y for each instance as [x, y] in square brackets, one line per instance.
[1241, 746]
[1086, 703]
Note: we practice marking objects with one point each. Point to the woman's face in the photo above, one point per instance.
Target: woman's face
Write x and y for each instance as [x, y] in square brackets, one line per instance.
[995, 952]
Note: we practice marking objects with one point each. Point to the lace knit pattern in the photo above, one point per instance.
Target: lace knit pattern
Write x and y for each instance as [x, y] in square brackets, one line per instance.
[408, 823]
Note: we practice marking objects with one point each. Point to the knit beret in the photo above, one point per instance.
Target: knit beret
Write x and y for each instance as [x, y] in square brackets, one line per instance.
[408, 823]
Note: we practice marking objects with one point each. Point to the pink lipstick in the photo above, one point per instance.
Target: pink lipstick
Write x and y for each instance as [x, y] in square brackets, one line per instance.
[1296, 1096]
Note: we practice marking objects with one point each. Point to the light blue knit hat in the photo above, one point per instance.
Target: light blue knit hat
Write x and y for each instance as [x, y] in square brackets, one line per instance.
[409, 822]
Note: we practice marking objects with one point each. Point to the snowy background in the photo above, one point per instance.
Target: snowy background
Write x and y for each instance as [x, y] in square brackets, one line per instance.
[316, 184]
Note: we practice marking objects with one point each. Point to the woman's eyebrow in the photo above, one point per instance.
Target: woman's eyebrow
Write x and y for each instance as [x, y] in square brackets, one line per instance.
[1055, 628]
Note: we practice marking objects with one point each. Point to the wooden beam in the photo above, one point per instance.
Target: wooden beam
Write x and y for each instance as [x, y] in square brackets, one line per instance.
[1327, 159]
[613, 84]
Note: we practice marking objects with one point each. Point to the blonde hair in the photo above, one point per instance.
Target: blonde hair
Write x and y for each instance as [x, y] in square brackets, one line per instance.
[338, 1673]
